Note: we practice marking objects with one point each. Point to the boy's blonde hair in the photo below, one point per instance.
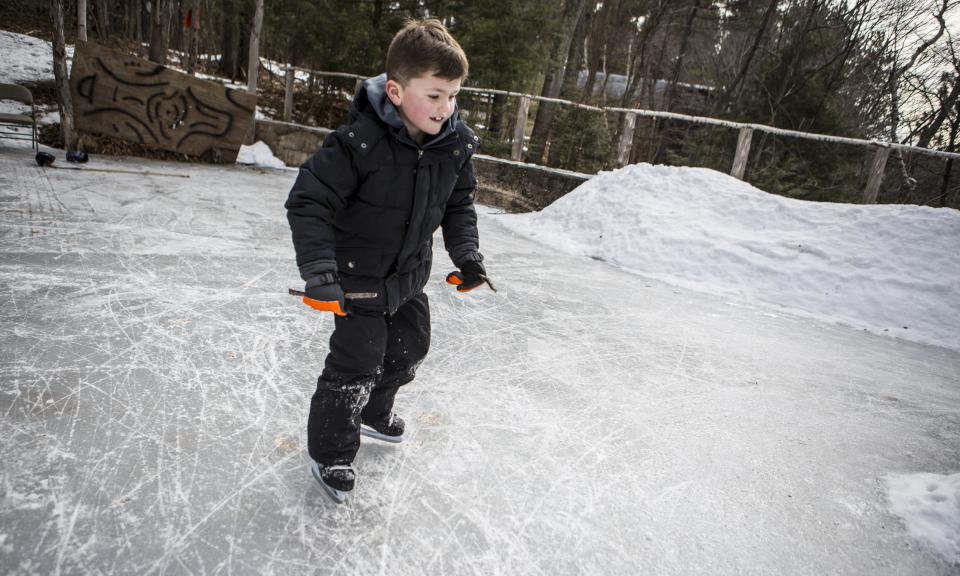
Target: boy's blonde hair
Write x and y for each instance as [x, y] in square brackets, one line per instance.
[423, 47]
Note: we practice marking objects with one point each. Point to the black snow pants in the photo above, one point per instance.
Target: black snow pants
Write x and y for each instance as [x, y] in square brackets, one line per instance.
[371, 355]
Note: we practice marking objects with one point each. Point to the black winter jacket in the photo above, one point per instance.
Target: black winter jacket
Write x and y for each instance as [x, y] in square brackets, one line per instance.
[368, 201]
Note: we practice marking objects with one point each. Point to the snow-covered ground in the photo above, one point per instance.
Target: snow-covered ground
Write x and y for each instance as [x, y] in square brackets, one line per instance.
[25, 59]
[155, 377]
[892, 269]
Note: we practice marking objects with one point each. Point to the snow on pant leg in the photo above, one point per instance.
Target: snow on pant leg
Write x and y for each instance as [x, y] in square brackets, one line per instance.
[350, 372]
[408, 339]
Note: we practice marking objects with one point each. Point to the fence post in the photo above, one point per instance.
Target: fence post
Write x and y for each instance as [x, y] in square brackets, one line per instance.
[872, 189]
[626, 138]
[288, 95]
[743, 153]
[520, 128]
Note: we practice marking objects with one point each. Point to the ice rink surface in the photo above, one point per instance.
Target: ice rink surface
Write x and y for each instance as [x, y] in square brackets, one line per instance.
[155, 378]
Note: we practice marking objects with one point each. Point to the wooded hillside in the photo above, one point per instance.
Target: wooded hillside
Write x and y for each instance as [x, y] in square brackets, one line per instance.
[874, 69]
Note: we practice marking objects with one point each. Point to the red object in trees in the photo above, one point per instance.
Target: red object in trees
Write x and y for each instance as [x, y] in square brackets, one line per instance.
[190, 22]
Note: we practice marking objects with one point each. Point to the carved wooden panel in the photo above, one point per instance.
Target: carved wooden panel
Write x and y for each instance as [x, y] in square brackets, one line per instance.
[119, 95]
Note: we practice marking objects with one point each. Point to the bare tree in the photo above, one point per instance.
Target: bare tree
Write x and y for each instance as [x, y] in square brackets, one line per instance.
[730, 92]
[229, 40]
[64, 102]
[637, 64]
[682, 53]
[908, 46]
[575, 57]
[158, 51]
[253, 62]
[82, 21]
[102, 20]
[573, 10]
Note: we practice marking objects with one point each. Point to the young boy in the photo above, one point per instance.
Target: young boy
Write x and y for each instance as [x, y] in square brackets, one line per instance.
[363, 212]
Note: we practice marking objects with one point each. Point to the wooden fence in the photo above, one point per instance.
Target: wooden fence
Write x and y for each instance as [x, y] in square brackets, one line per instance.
[629, 118]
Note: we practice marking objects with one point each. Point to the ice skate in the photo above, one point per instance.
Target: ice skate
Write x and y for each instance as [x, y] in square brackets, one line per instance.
[390, 430]
[337, 480]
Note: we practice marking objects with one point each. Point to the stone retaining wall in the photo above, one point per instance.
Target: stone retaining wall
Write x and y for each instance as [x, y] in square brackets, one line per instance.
[513, 186]
[292, 143]
[519, 187]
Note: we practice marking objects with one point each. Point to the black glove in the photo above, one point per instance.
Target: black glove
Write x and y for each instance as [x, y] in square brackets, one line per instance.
[471, 275]
[323, 293]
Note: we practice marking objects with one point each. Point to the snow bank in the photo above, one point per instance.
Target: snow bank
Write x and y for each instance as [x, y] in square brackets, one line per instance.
[929, 505]
[259, 154]
[887, 268]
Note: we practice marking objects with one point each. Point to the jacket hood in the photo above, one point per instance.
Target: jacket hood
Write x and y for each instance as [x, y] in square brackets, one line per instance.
[372, 97]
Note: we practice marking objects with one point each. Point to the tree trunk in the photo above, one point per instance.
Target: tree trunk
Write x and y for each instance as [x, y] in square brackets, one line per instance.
[681, 54]
[127, 19]
[243, 49]
[568, 87]
[376, 15]
[951, 147]
[61, 77]
[103, 20]
[596, 46]
[787, 84]
[189, 20]
[177, 30]
[948, 103]
[157, 52]
[496, 125]
[253, 61]
[167, 15]
[139, 15]
[228, 44]
[552, 83]
[731, 92]
[640, 60]
[82, 21]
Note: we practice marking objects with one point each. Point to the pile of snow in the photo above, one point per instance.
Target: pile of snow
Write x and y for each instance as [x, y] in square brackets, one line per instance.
[886, 268]
[929, 505]
[26, 60]
[259, 154]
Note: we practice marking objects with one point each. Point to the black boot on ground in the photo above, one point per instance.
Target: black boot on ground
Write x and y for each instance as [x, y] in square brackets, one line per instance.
[336, 479]
[390, 430]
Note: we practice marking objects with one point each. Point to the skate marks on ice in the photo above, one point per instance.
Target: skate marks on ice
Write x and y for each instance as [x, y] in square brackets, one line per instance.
[141, 409]
[697, 431]
[155, 378]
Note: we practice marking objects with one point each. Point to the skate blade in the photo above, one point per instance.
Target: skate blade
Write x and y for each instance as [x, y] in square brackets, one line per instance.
[371, 433]
[338, 496]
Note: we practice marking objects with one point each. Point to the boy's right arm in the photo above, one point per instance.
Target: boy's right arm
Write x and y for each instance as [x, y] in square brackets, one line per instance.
[326, 180]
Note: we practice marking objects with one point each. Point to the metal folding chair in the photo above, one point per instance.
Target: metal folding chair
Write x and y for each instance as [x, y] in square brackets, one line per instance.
[20, 94]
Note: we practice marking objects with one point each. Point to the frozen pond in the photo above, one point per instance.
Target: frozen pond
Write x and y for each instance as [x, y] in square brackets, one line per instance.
[155, 379]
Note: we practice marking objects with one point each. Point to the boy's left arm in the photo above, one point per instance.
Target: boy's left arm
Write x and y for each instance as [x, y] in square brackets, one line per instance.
[460, 235]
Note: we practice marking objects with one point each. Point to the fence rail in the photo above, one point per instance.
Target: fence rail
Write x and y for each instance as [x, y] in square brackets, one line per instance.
[881, 149]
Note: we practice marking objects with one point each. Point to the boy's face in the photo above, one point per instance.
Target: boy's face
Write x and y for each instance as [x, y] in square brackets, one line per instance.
[425, 103]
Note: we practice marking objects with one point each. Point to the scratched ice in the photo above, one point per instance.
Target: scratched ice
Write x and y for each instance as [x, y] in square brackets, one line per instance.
[155, 377]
